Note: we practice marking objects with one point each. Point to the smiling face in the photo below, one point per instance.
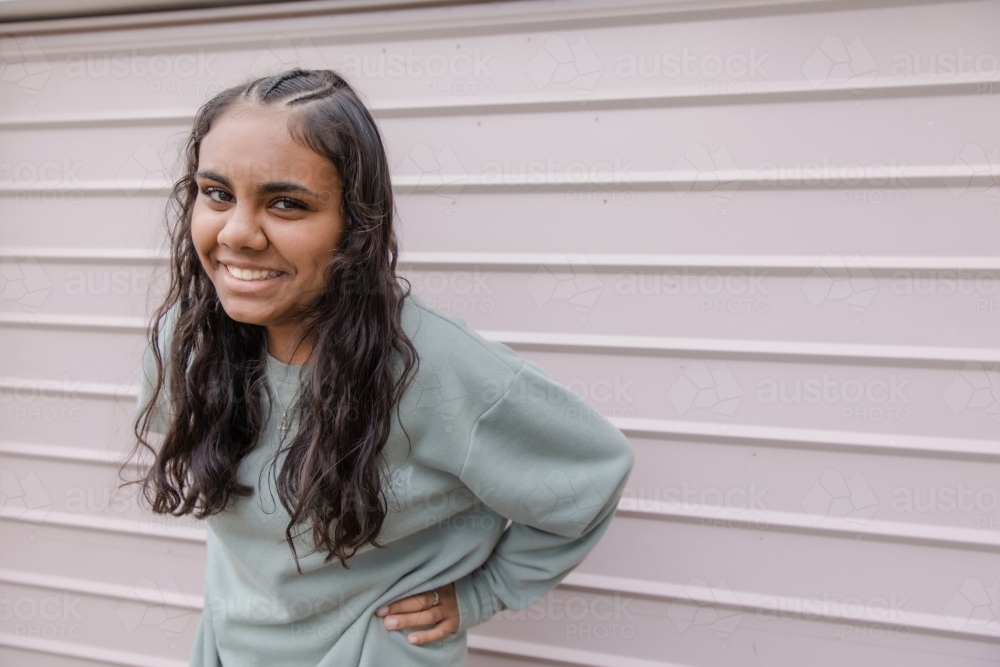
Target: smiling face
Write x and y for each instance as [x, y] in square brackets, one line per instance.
[267, 217]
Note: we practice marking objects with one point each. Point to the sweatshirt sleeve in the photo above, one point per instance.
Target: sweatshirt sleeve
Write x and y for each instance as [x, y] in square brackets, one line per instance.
[545, 459]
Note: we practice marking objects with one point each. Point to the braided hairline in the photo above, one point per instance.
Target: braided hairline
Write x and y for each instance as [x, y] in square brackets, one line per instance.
[314, 95]
[277, 81]
[332, 82]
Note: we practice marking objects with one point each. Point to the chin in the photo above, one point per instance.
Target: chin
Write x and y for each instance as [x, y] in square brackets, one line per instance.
[246, 313]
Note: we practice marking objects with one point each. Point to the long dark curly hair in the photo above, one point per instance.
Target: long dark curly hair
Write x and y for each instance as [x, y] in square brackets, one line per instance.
[359, 366]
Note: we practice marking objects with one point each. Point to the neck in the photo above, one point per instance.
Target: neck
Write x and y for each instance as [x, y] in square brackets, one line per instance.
[284, 344]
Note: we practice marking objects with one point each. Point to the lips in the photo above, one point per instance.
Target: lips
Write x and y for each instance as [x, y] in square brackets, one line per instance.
[251, 274]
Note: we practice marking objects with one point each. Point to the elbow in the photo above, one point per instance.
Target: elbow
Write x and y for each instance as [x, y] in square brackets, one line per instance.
[625, 456]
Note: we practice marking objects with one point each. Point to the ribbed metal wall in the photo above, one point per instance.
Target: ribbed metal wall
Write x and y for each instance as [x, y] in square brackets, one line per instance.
[760, 236]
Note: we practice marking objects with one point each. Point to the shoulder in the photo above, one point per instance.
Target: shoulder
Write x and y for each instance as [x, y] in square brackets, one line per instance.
[442, 339]
[459, 374]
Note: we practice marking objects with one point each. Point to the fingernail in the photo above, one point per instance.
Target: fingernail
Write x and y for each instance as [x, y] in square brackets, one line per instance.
[382, 611]
[391, 622]
[412, 639]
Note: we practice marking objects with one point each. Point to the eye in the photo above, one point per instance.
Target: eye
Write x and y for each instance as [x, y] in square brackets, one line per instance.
[217, 195]
[286, 204]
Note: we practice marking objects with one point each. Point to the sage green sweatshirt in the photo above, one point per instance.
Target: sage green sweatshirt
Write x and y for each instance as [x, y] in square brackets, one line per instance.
[493, 438]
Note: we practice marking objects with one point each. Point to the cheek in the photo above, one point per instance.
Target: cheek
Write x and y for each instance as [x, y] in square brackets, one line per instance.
[310, 251]
[204, 231]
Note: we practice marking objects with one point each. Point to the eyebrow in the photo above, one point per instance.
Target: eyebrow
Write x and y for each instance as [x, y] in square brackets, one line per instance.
[262, 189]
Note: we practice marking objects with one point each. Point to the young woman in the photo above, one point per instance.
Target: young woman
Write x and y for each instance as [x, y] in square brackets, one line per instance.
[356, 454]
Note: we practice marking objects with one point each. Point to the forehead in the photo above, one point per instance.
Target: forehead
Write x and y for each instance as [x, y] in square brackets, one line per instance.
[252, 143]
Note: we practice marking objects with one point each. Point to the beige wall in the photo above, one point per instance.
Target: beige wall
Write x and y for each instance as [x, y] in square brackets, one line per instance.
[762, 236]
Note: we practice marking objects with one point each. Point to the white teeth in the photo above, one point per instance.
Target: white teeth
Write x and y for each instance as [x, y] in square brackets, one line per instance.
[246, 274]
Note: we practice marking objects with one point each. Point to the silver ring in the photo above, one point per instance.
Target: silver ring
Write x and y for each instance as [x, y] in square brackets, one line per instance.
[437, 598]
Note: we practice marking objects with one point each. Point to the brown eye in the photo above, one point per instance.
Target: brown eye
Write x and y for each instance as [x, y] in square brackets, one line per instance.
[217, 195]
[286, 204]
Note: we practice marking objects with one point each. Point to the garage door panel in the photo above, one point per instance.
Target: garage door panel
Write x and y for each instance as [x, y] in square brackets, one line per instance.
[835, 568]
[599, 186]
[119, 557]
[847, 301]
[715, 483]
[74, 220]
[738, 392]
[668, 221]
[37, 356]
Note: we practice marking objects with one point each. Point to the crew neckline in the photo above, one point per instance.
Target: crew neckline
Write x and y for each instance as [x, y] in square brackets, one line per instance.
[286, 375]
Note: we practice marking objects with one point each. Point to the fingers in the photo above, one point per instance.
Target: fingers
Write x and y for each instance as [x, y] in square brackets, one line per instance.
[407, 605]
[420, 611]
[430, 616]
[448, 626]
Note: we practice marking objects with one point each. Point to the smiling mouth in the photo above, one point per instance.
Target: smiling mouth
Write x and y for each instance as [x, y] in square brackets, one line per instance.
[248, 275]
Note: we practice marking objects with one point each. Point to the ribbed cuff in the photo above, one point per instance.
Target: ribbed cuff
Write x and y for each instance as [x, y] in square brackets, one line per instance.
[476, 602]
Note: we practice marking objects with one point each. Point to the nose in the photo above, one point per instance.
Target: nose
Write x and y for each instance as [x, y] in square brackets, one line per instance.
[242, 230]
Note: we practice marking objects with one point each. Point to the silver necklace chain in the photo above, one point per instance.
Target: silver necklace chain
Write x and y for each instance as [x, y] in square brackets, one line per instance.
[283, 427]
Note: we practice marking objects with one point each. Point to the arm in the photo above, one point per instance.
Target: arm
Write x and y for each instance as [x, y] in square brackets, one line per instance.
[545, 459]
[542, 457]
